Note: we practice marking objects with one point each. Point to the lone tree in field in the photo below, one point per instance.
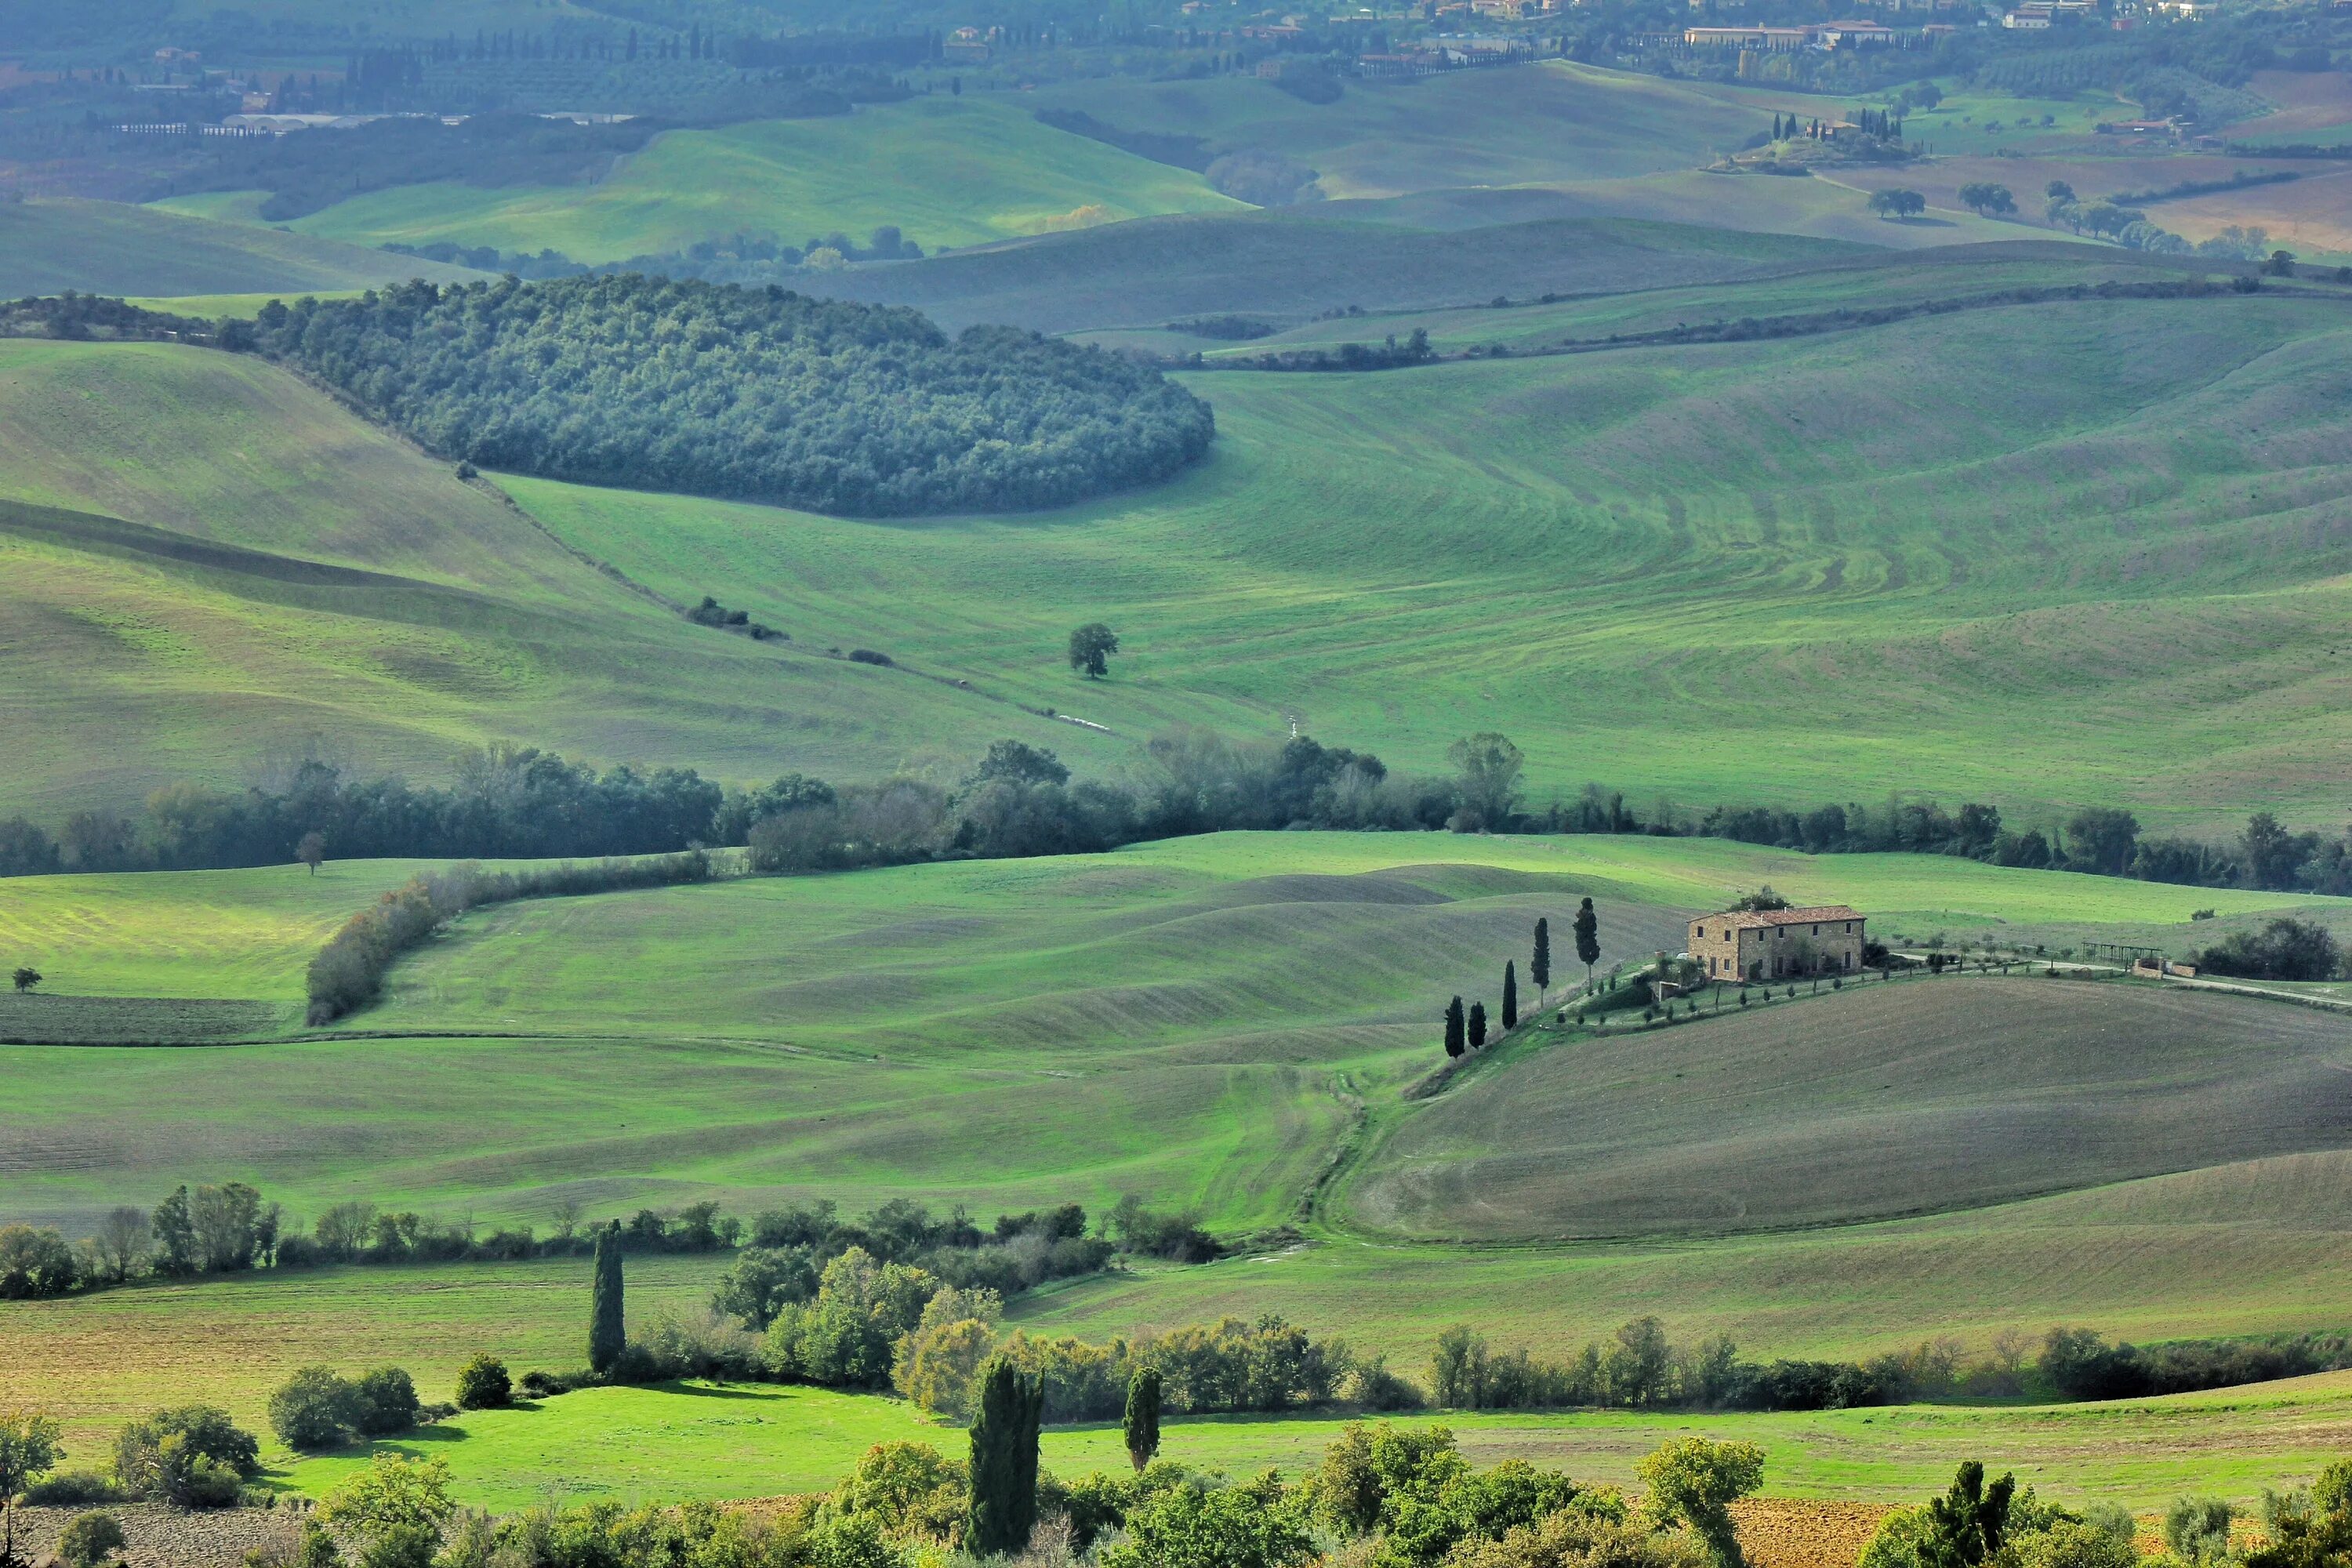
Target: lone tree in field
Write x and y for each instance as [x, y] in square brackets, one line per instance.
[1477, 1025]
[1588, 940]
[28, 1448]
[1454, 1028]
[1897, 204]
[1004, 1476]
[1540, 966]
[1143, 1418]
[606, 1335]
[1091, 647]
[313, 850]
[1510, 994]
[27, 977]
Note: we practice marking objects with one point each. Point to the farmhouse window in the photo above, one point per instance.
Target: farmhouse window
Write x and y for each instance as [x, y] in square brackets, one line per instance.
[1817, 930]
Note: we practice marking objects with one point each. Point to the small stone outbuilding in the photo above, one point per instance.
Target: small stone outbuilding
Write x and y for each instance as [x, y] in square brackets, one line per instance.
[1774, 944]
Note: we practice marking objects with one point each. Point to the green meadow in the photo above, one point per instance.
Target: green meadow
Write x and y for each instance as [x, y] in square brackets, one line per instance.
[962, 171]
[721, 1441]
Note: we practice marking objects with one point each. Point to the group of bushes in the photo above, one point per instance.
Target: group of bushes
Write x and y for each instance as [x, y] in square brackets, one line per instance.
[192, 1457]
[739, 258]
[349, 970]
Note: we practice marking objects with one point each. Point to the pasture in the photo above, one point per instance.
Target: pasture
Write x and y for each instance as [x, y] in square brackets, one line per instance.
[722, 1441]
[962, 171]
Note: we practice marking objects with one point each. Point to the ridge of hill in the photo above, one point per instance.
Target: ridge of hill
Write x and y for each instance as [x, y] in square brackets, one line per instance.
[1296, 263]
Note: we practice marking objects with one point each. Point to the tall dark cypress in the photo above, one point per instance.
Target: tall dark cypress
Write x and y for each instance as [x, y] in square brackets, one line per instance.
[1540, 966]
[1477, 1025]
[1453, 1028]
[1510, 994]
[1588, 940]
[607, 1337]
[1003, 1474]
[1142, 1422]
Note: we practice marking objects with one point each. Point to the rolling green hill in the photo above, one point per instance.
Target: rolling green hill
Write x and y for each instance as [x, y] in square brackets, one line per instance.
[1196, 1020]
[959, 171]
[109, 247]
[218, 568]
[1919, 1100]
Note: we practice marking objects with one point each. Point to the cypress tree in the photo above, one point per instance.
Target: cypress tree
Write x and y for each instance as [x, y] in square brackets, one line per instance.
[606, 1336]
[1453, 1028]
[1540, 966]
[1143, 1418]
[1003, 1474]
[1588, 940]
[1477, 1025]
[1510, 994]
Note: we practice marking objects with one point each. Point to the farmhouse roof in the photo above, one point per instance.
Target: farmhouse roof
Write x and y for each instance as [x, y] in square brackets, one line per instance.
[1814, 914]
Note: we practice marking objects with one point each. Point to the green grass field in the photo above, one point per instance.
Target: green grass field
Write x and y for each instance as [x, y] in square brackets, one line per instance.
[960, 171]
[1836, 562]
[110, 247]
[741, 1440]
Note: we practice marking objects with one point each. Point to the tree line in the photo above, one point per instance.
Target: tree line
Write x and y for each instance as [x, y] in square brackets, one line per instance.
[750, 393]
[1017, 800]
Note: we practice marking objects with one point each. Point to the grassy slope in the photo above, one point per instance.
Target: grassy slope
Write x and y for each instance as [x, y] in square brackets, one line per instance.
[962, 171]
[107, 247]
[212, 664]
[1843, 560]
[1903, 1098]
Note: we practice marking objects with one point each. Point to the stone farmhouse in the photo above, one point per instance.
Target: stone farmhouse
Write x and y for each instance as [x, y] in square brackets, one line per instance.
[1772, 944]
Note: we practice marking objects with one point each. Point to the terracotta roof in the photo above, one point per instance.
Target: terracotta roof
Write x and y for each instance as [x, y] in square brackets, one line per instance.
[1818, 915]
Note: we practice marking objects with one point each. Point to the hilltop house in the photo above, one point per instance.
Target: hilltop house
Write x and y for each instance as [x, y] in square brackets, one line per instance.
[1769, 944]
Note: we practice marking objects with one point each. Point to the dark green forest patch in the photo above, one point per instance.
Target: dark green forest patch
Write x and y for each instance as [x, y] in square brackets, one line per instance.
[749, 394]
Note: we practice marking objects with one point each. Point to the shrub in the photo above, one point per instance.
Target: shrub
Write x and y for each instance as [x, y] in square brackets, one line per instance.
[483, 1384]
[88, 1540]
[867, 656]
[384, 1401]
[74, 1489]
[313, 1409]
[194, 1455]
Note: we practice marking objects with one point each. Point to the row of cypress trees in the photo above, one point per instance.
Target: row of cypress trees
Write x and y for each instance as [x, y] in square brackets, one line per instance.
[1468, 1031]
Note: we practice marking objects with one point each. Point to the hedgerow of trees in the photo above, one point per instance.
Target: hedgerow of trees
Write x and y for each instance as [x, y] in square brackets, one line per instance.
[754, 393]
